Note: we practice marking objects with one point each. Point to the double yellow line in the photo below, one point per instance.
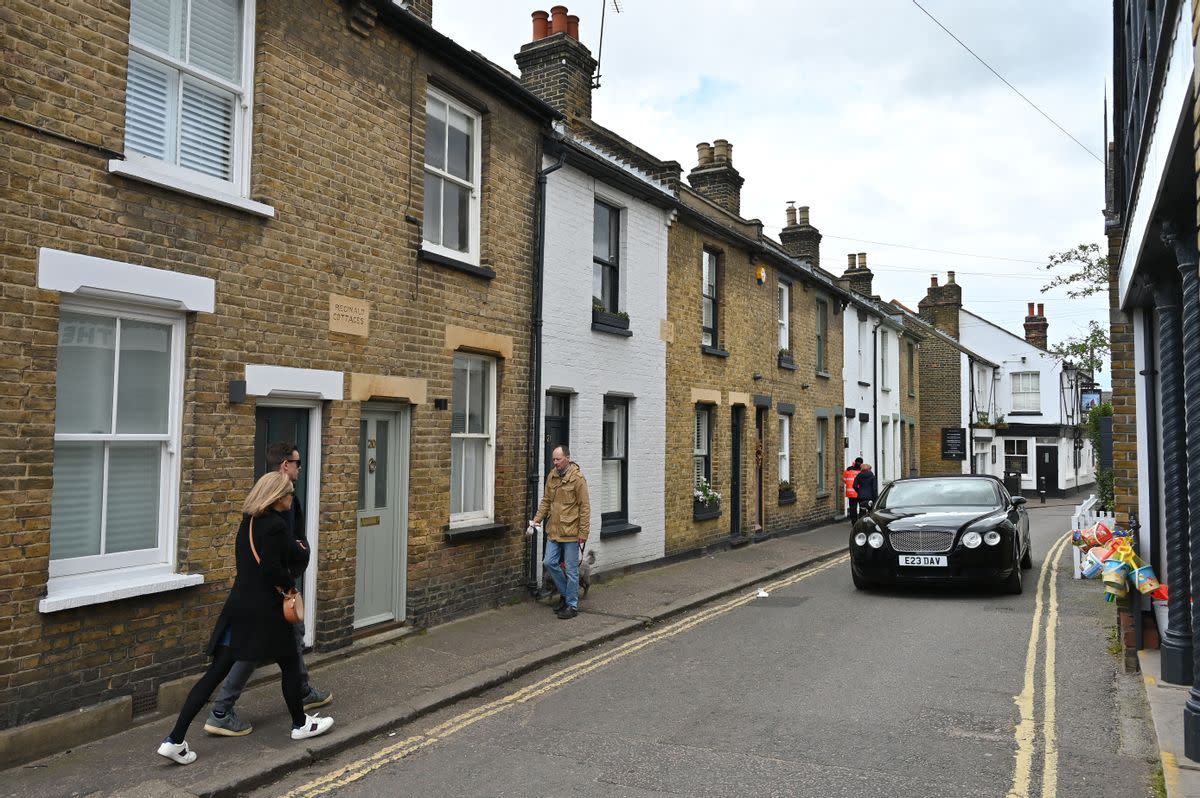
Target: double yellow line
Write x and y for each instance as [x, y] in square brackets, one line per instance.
[354, 771]
[1027, 727]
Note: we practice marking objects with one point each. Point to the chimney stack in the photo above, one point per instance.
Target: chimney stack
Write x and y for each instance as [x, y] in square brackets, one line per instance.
[858, 277]
[941, 305]
[556, 66]
[800, 239]
[1036, 326]
[714, 176]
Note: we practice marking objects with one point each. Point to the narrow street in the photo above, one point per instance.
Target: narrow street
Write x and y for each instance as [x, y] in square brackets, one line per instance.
[816, 689]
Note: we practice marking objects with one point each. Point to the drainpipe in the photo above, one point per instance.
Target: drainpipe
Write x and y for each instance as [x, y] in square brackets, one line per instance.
[971, 415]
[532, 496]
[875, 397]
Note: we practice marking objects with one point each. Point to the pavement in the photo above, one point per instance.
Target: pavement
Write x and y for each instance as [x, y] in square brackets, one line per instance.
[1181, 775]
[384, 682]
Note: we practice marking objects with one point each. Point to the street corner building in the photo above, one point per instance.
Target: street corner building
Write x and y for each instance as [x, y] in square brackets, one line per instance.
[231, 224]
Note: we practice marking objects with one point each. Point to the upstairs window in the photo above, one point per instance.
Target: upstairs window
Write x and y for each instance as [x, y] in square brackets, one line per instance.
[822, 334]
[1026, 392]
[912, 369]
[709, 299]
[884, 351]
[188, 90]
[606, 248]
[783, 312]
[452, 183]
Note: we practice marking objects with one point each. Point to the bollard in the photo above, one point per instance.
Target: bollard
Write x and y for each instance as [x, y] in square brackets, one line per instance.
[1042, 489]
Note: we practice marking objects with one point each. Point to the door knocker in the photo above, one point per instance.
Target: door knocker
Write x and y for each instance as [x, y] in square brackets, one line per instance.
[371, 465]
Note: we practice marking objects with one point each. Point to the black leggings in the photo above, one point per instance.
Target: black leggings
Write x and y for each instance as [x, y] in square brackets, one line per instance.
[222, 663]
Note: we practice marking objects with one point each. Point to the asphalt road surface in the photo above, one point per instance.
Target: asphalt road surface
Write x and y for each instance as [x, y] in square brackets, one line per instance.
[814, 690]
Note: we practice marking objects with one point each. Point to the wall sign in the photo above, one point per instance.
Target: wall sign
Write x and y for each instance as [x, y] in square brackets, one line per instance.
[349, 315]
[954, 443]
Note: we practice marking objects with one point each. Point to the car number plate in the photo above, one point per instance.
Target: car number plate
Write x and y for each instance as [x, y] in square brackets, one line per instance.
[922, 559]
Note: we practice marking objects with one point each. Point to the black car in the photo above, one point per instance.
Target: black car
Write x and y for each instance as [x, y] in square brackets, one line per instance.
[960, 529]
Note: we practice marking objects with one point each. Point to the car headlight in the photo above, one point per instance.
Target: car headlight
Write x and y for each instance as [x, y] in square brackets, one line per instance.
[991, 538]
[876, 540]
[972, 540]
[860, 539]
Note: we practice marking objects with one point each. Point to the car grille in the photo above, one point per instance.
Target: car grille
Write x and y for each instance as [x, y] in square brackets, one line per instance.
[922, 540]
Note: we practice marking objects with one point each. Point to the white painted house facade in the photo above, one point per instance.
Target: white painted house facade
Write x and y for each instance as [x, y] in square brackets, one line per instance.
[871, 373]
[603, 364]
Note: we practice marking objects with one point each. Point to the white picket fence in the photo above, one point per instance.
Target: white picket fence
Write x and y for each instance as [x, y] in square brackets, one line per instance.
[1084, 516]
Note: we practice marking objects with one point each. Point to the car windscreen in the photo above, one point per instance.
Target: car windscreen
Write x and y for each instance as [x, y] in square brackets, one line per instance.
[941, 493]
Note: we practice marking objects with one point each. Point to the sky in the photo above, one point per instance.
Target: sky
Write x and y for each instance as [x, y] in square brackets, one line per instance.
[896, 137]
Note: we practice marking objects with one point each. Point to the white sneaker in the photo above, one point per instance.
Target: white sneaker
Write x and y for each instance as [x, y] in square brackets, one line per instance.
[313, 727]
[177, 752]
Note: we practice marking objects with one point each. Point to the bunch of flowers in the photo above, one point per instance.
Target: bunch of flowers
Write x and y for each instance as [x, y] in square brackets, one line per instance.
[704, 492]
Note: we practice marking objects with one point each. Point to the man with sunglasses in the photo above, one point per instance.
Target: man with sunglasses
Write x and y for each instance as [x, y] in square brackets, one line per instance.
[223, 720]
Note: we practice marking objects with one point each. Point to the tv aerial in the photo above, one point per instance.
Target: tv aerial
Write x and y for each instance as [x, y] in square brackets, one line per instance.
[616, 4]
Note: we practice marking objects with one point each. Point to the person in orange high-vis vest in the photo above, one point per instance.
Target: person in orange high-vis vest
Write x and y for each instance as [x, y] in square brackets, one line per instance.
[852, 495]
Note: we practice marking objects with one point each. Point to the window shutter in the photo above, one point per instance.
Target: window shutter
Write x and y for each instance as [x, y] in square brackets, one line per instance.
[206, 138]
[148, 94]
[215, 37]
[698, 466]
[157, 24]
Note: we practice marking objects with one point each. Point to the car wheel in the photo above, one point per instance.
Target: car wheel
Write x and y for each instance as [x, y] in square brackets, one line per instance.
[859, 582]
[1014, 584]
[1027, 557]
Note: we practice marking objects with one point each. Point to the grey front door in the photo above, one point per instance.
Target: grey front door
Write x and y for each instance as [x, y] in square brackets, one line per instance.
[379, 587]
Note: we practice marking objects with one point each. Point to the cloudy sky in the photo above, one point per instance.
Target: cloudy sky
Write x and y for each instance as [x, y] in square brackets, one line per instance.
[873, 116]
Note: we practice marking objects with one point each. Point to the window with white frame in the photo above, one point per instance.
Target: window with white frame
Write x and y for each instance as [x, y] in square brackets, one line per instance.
[188, 90]
[1016, 456]
[708, 298]
[119, 390]
[822, 434]
[614, 466]
[883, 359]
[702, 446]
[822, 333]
[472, 445]
[864, 353]
[606, 256]
[783, 312]
[912, 369]
[885, 435]
[785, 448]
[1026, 391]
[452, 178]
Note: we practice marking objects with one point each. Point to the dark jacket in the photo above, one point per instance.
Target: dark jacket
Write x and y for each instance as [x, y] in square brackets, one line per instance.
[254, 609]
[294, 518]
[866, 486]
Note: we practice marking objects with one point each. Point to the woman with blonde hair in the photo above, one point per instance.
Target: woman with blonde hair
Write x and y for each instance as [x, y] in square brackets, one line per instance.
[251, 626]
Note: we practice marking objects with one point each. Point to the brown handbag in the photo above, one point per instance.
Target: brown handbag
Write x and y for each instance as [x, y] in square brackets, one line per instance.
[293, 601]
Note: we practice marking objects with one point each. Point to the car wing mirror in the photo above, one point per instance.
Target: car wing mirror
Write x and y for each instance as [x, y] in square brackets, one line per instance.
[1018, 500]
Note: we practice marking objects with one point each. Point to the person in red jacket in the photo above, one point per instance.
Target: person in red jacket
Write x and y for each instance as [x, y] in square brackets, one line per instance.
[851, 494]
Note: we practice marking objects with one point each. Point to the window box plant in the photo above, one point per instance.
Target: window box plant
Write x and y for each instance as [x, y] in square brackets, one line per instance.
[785, 359]
[618, 320]
[787, 494]
[706, 502]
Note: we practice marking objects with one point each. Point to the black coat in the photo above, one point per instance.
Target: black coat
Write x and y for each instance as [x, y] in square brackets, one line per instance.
[866, 485]
[254, 610]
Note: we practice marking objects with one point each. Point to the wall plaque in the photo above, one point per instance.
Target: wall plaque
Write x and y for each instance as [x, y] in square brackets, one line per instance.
[954, 443]
[349, 315]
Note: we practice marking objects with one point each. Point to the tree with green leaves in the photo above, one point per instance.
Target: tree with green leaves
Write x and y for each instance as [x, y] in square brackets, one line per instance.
[1083, 271]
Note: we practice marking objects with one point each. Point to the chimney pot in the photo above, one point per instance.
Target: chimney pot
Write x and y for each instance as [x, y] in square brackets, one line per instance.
[862, 260]
[791, 215]
[573, 26]
[804, 214]
[1030, 313]
[1041, 310]
[850, 262]
[949, 278]
[933, 281]
[541, 25]
[722, 151]
[704, 153]
[558, 19]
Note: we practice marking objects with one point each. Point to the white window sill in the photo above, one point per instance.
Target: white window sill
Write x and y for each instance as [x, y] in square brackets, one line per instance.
[163, 178]
[69, 592]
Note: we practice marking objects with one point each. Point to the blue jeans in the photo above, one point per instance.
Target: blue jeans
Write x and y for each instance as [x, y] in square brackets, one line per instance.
[567, 584]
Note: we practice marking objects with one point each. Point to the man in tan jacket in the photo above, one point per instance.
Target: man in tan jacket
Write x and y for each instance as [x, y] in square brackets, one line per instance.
[568, 514]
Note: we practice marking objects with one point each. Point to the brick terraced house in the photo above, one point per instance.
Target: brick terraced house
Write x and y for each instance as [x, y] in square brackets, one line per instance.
[226, 224]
